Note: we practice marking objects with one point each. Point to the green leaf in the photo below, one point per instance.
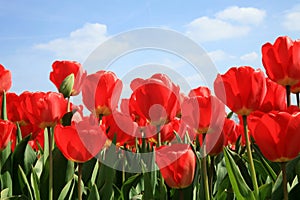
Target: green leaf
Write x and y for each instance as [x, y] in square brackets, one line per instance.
[94, 195]
[265, 191]
[25, 186]
[35, 184]
[22, 156]
[18, 197]
[4, 193]
[87, 170]
[67, 191]
[295, 192]
[66, 86]
[63, 172]
[240, 188]
[130, 183]
[67, 118]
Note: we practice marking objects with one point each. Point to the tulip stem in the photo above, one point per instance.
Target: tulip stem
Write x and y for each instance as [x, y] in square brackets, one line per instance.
[50, 164]
[288, 95]
[79, 181]
[69, 105]
[4, 112]
[211, 173]
[158, 136]
[284, 180]
[204, 169]
[250, 158]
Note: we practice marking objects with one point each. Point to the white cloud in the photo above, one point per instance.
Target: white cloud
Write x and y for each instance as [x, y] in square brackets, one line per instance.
[79, 44]
[219, 55]
[291, 21]
[243, 15]
[205, 29]
[250, 57]
[230, 23]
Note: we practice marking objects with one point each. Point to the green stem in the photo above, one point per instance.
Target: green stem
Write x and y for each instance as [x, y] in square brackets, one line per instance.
[204, 169]
[158, 136]
[250, 158]
[288, 95]
[181, 194]
[79, 181]
[69, 105]
[50, 164]
[211, 173]
[284, 180]
[4, 112]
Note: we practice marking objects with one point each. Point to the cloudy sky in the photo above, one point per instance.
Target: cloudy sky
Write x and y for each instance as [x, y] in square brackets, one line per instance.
[34, 34]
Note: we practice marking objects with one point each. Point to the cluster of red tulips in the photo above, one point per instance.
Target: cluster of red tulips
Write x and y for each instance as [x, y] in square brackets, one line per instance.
[197, 149]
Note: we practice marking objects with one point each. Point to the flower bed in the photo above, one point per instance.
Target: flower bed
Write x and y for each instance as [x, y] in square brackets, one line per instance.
[159, 143]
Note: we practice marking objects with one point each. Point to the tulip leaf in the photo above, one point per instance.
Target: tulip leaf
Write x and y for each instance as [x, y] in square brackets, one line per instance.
[130, 183]
[66, 86]
[240, 188]
[94, 194]
[35, 184]
[88, 171]
[25, 186]
[6, 170]
[265, 191]
[67, 190]
[295, 192]
[24, 156]
[64, 170]
[4, 193]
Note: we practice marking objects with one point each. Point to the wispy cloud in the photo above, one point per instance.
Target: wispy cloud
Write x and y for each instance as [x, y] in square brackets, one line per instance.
[291, 19]
[229, 23]
[79, 44]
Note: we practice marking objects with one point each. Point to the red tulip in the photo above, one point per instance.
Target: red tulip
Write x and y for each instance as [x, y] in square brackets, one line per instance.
[62, 69]
[6, 129]
[232, 132]
[44, 109]
[154, 100]
[275, 98]
[81, 141]
[177, 164]
[203, 111]
[242, 89]
[281, 60]
[122, 126]
[101, 92]
[277, 134]
[5, 79]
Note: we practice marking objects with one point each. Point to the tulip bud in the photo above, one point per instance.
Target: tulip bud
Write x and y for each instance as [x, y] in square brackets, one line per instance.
[66, 86]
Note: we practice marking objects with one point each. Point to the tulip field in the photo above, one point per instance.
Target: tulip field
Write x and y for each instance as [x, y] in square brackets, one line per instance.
[238, 140]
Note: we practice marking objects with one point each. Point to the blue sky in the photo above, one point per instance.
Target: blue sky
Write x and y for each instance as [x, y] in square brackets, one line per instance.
[36, 33]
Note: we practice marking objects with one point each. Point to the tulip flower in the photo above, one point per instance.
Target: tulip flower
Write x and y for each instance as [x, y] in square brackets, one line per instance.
[6, 128]
[203, 111]
[177, 164]
[122, 126]
[277, 134]
[281, 61]
[62, 70]
[242, 89]
[43, 109]
[5, 79]
[154, 100]
[81, 141]
[101, 92]
[275, 97]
